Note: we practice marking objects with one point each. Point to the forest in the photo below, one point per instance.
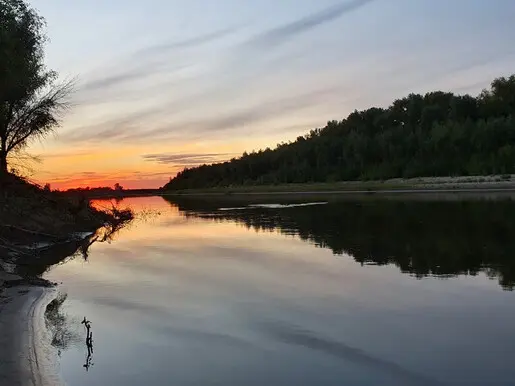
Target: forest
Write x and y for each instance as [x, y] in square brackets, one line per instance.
[436, 134]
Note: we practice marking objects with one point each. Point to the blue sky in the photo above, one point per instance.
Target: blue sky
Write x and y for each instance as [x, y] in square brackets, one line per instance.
[165, 84]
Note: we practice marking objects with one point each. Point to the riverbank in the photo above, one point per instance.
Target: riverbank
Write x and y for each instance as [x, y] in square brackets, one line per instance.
[35, 221]
[25, 357]
[38, 229]
[400, 186]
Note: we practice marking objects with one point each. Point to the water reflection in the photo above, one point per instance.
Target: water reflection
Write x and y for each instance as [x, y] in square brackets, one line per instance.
[194, 298]
[423, 238]
[89, 344]
[298, 336]
[62, 252]
[63, 329]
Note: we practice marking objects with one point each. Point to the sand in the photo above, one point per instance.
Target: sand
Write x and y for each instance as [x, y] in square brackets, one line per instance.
[26, 357]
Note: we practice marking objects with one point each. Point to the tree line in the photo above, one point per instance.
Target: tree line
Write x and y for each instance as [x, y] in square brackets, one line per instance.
[436, 134]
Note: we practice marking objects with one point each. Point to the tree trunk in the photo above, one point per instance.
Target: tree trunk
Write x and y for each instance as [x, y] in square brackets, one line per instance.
[3, 162]
[3, 172]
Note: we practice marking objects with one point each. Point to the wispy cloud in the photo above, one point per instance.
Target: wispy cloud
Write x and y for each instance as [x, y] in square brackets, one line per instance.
[186, 43]
[187, 159]
[240, 119]
[67, 154]
[157, 61]
[149, 61]
[285, 32]
[115, 79]
[123, 130]
[113, 127]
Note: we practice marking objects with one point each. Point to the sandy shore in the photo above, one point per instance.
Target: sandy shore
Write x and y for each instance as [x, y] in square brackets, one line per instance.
[26, 357]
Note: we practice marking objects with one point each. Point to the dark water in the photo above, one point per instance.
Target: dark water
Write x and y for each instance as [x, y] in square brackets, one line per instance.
[364, 292]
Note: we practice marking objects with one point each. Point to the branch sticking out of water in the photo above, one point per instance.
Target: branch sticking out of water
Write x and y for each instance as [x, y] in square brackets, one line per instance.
[89, 344]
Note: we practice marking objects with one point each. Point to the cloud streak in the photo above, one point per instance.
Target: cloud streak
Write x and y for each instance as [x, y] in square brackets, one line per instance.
[114, 80]
[138, 124]
[186, 43]
[150, 61]
[125, 131]
[236, 120]
[186, 159]
[239, 119]
[285, 32]
[142, 71]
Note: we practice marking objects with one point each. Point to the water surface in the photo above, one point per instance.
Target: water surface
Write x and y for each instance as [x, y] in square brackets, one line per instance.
[234, 292]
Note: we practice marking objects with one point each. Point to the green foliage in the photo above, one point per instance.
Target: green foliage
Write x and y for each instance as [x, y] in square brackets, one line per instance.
[30, 100]
[21, 55]
[437, 134]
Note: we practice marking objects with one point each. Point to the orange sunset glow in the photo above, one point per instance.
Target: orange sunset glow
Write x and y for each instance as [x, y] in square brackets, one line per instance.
[151, 100]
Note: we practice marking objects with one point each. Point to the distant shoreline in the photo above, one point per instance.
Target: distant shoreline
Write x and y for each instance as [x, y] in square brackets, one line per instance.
[341, 192]
[424, 185]
[427, 185]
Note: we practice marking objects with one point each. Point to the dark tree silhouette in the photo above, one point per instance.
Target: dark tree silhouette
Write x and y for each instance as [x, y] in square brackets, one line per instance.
[436, 134]
[31, 99]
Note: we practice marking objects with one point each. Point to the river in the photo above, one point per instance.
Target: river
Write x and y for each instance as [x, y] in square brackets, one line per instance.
[346, 292]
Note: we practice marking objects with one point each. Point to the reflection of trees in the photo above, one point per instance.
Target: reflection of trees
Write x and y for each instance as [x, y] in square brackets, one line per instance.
[105, 234]
[63, 329]
[443, 238]
[61, 252]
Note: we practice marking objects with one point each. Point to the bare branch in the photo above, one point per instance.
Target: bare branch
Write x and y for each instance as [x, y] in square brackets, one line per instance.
[23, 164]
[40, 115]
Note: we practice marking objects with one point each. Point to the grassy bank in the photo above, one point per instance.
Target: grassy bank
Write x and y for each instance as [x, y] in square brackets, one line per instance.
[501, 182]
[38, 226]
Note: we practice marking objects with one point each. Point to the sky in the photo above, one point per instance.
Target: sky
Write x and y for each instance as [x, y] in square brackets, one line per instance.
[165, 84]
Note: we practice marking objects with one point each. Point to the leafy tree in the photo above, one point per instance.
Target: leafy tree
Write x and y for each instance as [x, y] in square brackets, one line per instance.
[438, 134]
[30, 97]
